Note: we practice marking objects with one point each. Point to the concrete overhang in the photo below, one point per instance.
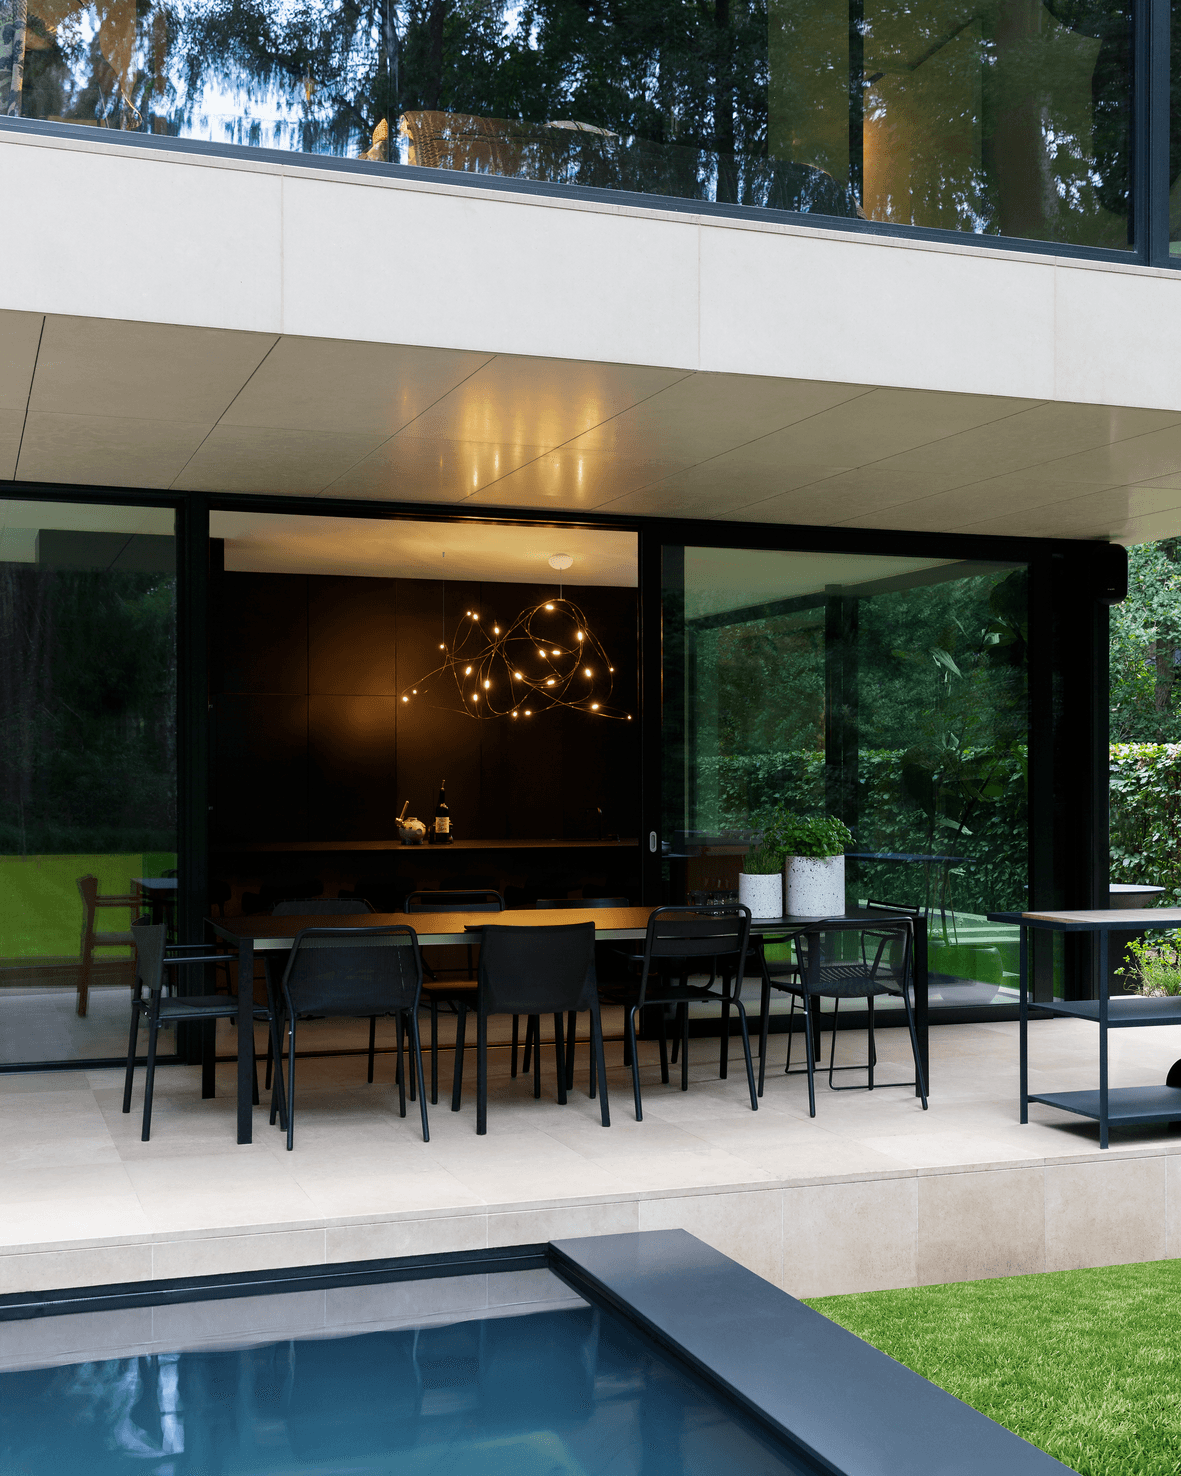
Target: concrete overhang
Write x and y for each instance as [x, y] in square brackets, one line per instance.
[171, 320]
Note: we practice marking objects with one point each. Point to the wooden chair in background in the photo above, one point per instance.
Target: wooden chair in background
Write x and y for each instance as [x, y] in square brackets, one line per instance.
[92, 900]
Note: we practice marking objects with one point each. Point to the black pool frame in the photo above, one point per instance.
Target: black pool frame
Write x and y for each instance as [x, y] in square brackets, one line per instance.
[836, 1404]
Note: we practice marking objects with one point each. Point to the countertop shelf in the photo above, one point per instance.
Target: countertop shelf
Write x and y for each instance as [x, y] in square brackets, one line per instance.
[301, 847]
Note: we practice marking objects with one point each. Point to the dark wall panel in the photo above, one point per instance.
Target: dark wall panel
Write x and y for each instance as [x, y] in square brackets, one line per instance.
[260, 767]
[351, 636]
[352, 787]
[262, 623]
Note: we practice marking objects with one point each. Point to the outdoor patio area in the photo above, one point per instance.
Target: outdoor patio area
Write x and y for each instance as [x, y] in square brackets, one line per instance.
[872, 1193]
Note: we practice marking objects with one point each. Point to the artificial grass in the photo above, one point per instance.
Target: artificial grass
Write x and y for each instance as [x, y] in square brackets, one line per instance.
[1085, 1364]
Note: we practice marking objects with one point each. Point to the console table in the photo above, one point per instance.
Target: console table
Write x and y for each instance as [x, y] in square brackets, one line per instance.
[1108, 1104]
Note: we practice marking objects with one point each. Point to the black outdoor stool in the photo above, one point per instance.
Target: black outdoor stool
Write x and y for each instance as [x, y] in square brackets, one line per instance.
[812, 977]
[437, 991]
[153, 954]
[677, 938]
[316, 907]
[352, 973]
[534, 971]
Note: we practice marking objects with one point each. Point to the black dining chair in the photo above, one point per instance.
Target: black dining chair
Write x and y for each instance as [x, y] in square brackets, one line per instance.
[885, 967]
[535, 971]
[679, 938]
[352, 973]
[451, 993]
[533, 1027]
[317, 907]
[154, 954]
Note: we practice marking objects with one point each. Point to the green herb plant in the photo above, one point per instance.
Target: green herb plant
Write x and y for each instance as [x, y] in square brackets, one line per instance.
[789, 834]
[1157, 967]
[762, 860]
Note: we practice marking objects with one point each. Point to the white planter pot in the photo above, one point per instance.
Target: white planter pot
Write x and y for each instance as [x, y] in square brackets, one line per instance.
[762, 894]
[815, 885]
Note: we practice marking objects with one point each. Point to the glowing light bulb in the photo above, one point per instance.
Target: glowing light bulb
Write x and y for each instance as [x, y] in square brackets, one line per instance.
[556, 653]
[467, 671]
[475, 696]
[586, 671]
[594, 707]
[514, 713]
[496, 630]
[528, 712]
[487, 685]
[405, 699]
[414, 691]
[442, 647]
[475, 616]
[580, 635]
[550, 682]
[610, 668]
[549, 607]
[629, 717]
[517, 677]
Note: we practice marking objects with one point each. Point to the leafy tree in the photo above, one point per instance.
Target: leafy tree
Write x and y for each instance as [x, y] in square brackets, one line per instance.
[1146, 648]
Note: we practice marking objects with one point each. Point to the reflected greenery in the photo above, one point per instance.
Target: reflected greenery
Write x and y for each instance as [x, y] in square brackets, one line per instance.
[1007, 116]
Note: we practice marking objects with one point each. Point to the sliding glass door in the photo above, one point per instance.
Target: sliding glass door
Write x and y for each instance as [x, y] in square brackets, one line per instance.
[87, 767]
[889, 692]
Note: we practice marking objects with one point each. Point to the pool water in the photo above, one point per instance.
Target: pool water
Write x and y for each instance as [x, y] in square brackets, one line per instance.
[573, 1391]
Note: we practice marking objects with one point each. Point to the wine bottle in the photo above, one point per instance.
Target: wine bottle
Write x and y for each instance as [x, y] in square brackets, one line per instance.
[441, 825]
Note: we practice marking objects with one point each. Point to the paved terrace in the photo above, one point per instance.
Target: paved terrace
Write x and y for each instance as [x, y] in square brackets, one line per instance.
[871, 1193]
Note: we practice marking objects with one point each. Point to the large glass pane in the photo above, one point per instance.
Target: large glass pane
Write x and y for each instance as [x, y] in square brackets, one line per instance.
[1005, 116]
[889, 692]
[87, 766]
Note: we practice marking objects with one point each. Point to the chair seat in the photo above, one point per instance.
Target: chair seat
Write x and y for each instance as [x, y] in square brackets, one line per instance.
[205, 1007]
[110, 940]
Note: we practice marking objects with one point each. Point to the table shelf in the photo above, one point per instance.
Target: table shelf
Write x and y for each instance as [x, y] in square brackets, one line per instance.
[1123, 1012]
[1124, 1104]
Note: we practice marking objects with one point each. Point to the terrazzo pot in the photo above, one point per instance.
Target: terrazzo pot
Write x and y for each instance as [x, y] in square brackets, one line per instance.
[762, 894]
[815, 885]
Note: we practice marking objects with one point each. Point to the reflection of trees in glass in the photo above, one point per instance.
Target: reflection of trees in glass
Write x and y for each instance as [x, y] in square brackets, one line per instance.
[87, 710]
[1146, 648]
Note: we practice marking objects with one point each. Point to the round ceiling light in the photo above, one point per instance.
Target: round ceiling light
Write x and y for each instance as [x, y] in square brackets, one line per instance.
[560, 561]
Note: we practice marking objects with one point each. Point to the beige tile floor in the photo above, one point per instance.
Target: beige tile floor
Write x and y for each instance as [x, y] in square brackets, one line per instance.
[872, 1192]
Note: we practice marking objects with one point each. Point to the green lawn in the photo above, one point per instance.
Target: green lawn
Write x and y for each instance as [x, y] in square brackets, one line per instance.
[40, 906]
[1084, 1364]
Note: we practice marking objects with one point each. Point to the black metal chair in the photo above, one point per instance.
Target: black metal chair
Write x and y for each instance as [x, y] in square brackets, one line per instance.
[353, 973]
[533, 1027]
[451, 992]
[317, 907]
[813, 976]
[676, 940]
[535, 971]
[153, 954]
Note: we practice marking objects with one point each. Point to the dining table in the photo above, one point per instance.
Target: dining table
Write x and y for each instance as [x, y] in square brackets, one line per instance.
[262, 933]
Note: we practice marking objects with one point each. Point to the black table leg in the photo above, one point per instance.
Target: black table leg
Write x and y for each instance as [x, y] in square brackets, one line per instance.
[1024, 1028]
[920, 1001]
[245, 1038]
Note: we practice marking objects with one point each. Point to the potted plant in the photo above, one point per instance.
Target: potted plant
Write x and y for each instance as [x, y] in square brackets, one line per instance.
[760, 882]
[813, 851]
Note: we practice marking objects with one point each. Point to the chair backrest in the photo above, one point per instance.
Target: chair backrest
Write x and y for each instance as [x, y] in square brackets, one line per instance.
[684, 934]
[321, 907]
[150, 940]
[537, 970]
[353, 971]
[874, 905]
[477, 901]
[583, 902]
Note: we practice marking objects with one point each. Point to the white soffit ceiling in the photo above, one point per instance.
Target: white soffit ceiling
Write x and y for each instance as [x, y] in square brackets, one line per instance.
[723, 579]
[505, 553]
[102, 402]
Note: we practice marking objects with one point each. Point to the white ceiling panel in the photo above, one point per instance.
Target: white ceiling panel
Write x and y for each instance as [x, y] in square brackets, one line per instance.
[322, 384]
[12, 423]
[408, 470]
[148, 371]
[106, 450]
[573, 479]
[239, 458]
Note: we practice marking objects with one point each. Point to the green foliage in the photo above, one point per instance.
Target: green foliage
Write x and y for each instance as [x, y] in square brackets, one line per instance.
[1145, 789]
[789, 834]
[762, 860]
[1081, 1363]
[1157, 968]
[1145, 645]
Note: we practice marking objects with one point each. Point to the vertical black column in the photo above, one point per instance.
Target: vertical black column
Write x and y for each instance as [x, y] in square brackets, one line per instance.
[841, 710]
[857, 100]
[192, 536]
[1069, 756]
[1148, 177]
[653, 807]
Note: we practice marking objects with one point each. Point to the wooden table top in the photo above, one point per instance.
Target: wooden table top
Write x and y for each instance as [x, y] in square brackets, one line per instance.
[1099, 919]
[612, 924]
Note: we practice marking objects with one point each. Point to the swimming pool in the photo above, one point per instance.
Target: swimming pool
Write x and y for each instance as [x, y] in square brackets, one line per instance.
[570, 1390]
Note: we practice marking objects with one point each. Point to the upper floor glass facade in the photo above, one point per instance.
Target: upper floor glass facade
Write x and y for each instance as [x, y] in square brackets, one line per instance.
[994, 117]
